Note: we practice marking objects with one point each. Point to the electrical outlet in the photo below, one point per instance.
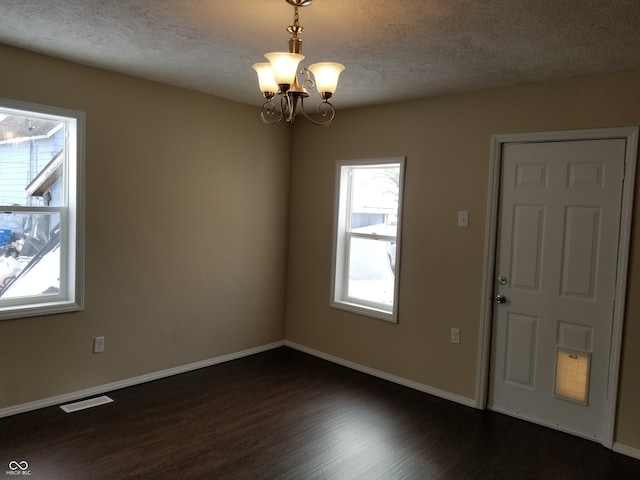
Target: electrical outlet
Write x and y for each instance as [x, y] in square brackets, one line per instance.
[98, 345]
[463, 218]
[455, 335]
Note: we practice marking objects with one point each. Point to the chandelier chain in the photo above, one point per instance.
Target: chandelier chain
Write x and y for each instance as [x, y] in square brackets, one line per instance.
[295, 29]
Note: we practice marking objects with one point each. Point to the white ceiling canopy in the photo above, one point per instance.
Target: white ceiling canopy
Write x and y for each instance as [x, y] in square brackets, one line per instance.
[393, 49]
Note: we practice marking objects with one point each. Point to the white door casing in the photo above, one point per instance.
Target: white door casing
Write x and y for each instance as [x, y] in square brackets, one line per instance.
[561, 244]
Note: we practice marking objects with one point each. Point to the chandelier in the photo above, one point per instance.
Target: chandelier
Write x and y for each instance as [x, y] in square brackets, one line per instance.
[279, 76]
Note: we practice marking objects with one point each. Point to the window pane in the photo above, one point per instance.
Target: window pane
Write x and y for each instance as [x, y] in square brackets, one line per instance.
[30, 261]
[371, 264]
[374, 200]
[374, 211]
[31, 160]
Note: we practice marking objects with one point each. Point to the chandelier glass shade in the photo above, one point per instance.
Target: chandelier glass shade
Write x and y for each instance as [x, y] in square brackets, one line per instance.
[278, 80]
[326, 76]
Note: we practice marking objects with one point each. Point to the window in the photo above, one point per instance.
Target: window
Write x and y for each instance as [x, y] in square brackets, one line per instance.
[367, 233]
[41, 210]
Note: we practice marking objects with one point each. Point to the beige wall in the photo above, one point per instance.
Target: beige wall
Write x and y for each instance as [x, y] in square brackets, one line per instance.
[186, 232]
[446, 141]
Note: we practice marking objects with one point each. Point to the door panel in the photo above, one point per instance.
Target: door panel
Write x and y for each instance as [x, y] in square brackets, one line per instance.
[528, 226]
[521, 349]
[557, 248]
[582, 229]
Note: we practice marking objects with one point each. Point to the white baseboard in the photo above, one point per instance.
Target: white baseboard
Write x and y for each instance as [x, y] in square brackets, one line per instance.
[469, 402]
[625, 450]
[129, 382]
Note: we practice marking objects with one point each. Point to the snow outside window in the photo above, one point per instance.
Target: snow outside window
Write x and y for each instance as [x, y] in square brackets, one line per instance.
[367, 237]
[41, 205]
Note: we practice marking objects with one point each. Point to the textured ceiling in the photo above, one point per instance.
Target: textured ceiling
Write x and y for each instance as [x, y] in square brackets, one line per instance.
[392, 49]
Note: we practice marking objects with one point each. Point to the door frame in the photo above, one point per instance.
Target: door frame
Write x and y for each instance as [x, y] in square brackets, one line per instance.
[630, 134]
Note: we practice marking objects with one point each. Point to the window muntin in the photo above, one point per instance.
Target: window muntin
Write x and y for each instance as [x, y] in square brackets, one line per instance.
[41, 230]
[366, 240]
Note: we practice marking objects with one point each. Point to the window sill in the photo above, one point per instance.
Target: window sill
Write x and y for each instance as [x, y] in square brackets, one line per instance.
[366, 311]
[22, 311]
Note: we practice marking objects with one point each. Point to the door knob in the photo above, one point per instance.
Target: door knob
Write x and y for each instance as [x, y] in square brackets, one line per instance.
[500, 298]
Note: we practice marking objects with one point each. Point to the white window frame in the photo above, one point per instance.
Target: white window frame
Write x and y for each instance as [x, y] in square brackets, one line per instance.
[71, 295]
[341, 240]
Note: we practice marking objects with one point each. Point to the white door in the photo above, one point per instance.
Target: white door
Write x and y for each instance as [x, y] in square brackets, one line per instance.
[555, 271]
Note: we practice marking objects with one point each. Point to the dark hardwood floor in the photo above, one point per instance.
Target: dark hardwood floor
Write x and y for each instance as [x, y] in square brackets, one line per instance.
[286, 415]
